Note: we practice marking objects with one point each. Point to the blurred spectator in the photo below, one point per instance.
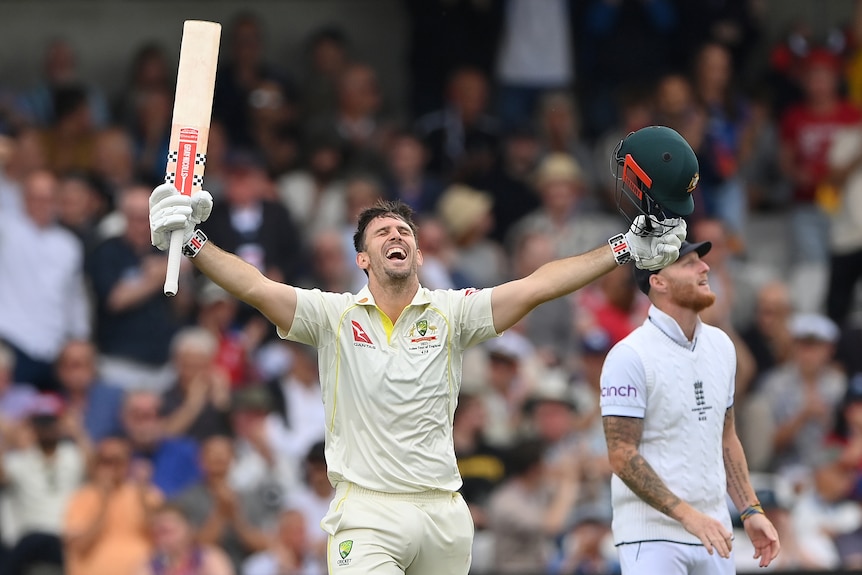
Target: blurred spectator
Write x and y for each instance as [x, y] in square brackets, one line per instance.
[38, 481]
[114, 164]
[42, 296]
[509, 181]
[566, 212]
[299, 419]
[243, 69]
[803, 395]
[360, 120]
[845, 262]
[15, 398]
[559, 123]
[173, 460]
[767, 334]
[676, 106]
[93, 404]
[81, 205]
[312, 500]
[149, 70]
[134, 321]
[249, 223]
[510, 378]
[585, 545]
[529, 509]
[197, 403]
[407, 179]
[726, 142]
[176, 550]
[258, 471]
[330, 263]
[807, 131]
[105, 528]
[289, 553]
[535, 56]
[326, 56]
[361, 190]
[69, 141]
[217, 313]
[314, 192]
[822, 514]
[439, 255]
[482, 468]
[462, 136]
[467, 214]
[220, 515]
[621, 43]
[151, 133]
[22, 154]
[613, 305]
[273, 125]
[443, 36]
[60, 70]
[549, 327]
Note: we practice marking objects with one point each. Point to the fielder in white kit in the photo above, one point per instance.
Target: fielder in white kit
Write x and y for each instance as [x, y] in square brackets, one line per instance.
[390, 371]
[667, 408]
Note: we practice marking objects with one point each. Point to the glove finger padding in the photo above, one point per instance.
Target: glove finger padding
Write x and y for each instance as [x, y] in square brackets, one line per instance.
[169, 210]
[664, 255]
[202, 206]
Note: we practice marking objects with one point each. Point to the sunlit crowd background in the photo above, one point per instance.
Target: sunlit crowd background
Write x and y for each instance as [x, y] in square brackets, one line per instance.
[146, 434]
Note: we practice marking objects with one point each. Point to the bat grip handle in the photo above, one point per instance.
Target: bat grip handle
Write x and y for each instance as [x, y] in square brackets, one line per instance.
[175, 254]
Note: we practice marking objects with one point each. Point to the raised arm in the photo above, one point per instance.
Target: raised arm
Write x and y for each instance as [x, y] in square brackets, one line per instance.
[623, 436]
[511, 301]
[170, 210]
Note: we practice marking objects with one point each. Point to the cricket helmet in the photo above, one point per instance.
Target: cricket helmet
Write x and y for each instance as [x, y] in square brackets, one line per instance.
[656, 172]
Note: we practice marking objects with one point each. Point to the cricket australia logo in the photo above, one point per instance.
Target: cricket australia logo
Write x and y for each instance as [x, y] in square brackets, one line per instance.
[344, 549]
[422, 336]
[700, 401]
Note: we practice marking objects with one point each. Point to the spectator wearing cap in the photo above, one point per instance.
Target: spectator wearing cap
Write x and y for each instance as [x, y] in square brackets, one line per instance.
[467, 214]
[38, 482]
[804, 394]
[567, 212]
[510, 377]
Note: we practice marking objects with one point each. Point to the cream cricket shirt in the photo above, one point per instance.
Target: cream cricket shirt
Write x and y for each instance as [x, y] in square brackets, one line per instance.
[390, 391]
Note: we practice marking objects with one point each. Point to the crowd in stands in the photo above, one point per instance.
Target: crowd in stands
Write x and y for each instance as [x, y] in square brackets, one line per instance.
[141, 434]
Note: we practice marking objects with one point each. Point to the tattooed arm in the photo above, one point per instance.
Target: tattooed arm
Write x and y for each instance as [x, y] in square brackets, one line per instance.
[623, 436]
[735, 466]
[759, 528]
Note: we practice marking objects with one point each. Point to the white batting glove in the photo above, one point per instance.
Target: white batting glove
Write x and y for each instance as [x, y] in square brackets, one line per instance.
[170, 210]
[655, 252]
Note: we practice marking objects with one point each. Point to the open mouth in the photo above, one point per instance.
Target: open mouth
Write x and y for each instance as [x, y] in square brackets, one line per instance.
[396, 253]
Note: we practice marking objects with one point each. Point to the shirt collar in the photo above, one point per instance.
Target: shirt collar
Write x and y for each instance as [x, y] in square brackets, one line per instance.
[364, 297]
[670, 328]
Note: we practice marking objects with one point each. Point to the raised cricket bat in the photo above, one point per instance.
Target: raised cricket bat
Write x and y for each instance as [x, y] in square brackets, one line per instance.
[190, 126]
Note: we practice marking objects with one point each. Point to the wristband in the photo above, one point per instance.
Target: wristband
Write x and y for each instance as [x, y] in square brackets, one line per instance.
[755, 509]
[195, 243]
[620, 248]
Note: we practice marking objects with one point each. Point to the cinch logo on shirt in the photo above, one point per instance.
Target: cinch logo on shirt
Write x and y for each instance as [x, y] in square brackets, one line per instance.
[359, 334]
[619, 391]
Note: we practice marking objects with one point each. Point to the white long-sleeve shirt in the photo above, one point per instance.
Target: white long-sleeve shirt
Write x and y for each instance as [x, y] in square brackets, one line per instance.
[43, 301]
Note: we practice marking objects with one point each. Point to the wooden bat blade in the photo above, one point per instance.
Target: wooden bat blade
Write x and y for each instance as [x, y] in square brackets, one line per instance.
[190, 123]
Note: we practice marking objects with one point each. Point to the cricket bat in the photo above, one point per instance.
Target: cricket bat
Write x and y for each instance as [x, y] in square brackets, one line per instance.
[190, 125]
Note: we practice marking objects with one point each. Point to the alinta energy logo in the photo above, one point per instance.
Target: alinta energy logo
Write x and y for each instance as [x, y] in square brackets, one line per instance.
[344, 549]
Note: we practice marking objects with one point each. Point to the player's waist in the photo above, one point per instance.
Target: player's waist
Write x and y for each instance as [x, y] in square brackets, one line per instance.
[349, 489]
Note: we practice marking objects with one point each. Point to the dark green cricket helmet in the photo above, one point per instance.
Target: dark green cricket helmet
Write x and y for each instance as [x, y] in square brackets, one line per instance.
[656, 172]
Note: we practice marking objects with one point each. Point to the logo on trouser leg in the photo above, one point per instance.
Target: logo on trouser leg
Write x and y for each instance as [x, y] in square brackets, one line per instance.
[344, 549]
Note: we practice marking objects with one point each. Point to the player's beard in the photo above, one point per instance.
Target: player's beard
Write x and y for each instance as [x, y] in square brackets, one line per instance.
[688, 296]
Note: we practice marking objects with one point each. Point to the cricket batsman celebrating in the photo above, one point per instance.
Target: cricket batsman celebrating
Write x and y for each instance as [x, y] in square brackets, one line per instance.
[390, 368]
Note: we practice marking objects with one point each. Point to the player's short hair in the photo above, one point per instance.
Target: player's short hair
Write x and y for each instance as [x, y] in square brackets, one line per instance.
[383, 208]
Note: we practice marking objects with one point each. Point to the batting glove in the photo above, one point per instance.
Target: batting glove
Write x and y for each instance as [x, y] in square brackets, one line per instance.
[652, 252]
[170, 210]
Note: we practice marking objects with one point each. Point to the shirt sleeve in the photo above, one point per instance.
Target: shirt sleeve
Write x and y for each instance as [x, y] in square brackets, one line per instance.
[314, 315]
[623, 383]
[476, 317]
